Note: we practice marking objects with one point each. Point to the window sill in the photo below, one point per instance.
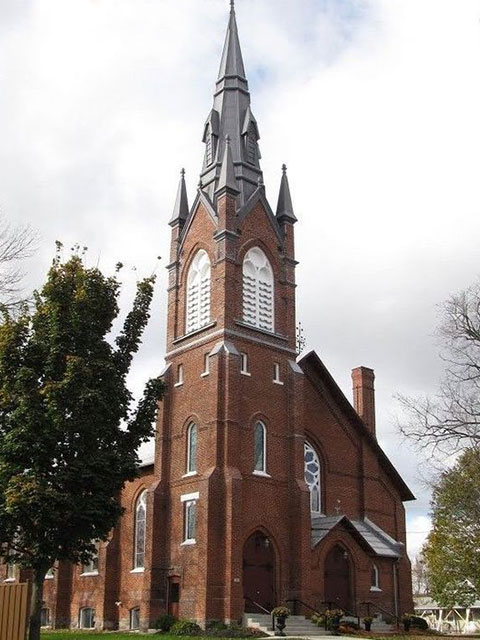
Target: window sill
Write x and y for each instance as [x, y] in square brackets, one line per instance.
[241, 323]
[278, 382]
[189, 542]
[194, 332]
[138, 570]
[9, 580]
[49, 577]
[262, 474]
[190, 474]
[245, 373]
[204, 374]
[178, 384]
[88, 574]
[377, 589]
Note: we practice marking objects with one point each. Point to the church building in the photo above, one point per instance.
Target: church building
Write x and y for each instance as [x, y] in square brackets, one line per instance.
[267, 486]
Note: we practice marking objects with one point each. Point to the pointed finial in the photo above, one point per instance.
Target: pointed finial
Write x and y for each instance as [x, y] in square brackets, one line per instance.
[285, 207]
[284, 169]
[232, 5]
[182, 172]
[180, 211]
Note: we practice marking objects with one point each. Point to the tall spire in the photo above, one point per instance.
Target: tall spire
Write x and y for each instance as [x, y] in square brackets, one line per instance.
[231, 115]
[232, 61]
[227, 179]
[285, 206]
[180, 210]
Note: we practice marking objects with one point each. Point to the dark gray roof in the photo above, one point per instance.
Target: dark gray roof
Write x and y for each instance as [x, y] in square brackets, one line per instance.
[231, 115]
[285, 206]
[227, 171]
[180, 210]
[371, 535]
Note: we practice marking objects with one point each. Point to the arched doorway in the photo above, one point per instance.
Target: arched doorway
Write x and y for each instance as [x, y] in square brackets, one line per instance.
[338, 579]
[258, 573]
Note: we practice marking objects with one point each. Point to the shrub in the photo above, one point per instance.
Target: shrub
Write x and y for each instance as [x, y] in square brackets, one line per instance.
[419, 623]
[165, 622]
[185, 628]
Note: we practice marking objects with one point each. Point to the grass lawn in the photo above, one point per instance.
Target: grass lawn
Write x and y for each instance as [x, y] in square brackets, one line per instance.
[92, 635]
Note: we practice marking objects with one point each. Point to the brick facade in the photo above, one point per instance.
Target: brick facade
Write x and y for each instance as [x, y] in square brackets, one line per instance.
[233, 502]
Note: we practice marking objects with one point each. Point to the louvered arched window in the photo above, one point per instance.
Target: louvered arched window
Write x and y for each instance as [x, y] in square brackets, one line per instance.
[312, 477]
[140, 531]
[198, 292]
[258, 290]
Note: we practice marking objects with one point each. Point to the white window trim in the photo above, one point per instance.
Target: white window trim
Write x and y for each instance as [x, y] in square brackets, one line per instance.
[244, 360]
[138, 570]
[180, 372]
[375, 587]
[263, 474]
[190, 428]
[189, 497]
[264, 428]
[276, 373]
[50, 576]
[9, 580]
[88, 574]
[206, 365]
[189, 474]
[141, 496]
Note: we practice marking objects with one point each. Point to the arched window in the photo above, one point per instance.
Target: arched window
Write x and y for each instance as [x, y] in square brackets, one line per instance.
[192, 448]
[86, 618]
[312, 477]
[258, 290]
[198, 292]
[260, 448]
[140, 527]
[375, 581]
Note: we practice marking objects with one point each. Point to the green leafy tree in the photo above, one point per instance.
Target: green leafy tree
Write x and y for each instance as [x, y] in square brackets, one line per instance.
[452, 550]
[68, 431]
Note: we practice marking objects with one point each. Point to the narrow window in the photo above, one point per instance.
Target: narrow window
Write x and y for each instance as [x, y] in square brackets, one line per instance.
[258, 290]
[206, 364]
[135, 618]
[312, 477]
[198, 292]
[179, 381]
[86, 619]
[276, 373]
[260, 448]
[375, 586]
[45, 617]
[140, 530]
[92, 566]
[190, 521]
[192, 448]
[244, 364]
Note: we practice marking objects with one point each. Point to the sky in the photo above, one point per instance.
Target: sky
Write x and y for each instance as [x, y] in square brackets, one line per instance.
[374, 106]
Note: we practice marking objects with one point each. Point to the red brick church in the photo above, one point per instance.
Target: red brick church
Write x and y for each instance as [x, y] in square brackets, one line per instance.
[267, 486]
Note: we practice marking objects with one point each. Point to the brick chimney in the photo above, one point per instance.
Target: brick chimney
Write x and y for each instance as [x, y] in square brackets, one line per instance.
[364, 395]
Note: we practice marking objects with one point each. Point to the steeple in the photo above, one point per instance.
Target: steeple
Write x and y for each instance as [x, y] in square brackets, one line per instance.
[180, 210]
[231, 115]
[284, 206]
[227, 172]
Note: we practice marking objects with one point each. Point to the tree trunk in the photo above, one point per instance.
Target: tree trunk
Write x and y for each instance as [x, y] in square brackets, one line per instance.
[36, 604]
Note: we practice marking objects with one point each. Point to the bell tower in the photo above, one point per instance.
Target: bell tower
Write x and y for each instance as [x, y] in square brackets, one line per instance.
[229, 448]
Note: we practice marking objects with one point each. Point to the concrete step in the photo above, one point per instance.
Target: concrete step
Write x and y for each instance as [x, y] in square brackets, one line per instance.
[295, 625]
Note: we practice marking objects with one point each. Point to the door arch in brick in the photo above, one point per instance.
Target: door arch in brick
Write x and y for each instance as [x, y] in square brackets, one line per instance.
[259, 573]
[338, 579]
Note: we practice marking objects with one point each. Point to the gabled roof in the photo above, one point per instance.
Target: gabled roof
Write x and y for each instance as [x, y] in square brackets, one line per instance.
[311, 364]
[367, 534]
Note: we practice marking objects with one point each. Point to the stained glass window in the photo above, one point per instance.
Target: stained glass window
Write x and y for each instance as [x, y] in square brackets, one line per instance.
[260, 447]
[140, 527]
[192, 448]
[312, 477]
[190, 519]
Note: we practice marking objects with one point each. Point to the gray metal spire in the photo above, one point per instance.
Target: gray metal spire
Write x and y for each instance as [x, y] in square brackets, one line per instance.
[180, 210]
[227, 178]
[285, 207]
[231, 115]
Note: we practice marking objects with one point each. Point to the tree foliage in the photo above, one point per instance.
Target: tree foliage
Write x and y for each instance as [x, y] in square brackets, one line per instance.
[452, 550]
[450, 421]
[68, 431]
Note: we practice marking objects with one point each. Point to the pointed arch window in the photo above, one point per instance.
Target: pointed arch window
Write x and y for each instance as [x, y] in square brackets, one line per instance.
[198, 292]
[192, 448]
[140, 531]
[375, 579]
[258, 290]
[260, 448]
[312, 477]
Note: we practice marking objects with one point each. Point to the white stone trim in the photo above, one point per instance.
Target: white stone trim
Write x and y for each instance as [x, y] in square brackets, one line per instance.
[187, 497]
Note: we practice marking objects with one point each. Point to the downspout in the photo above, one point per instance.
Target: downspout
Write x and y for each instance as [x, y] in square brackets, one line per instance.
[395, 589]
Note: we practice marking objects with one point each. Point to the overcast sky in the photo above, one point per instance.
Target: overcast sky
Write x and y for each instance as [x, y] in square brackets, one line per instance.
[373, 104]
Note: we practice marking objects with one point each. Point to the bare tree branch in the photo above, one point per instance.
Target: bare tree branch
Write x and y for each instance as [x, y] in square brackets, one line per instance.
[16, 244]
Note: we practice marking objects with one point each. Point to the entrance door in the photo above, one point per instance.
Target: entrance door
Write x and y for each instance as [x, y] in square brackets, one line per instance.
[258, 573]
[174, 596]
[338, 585]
